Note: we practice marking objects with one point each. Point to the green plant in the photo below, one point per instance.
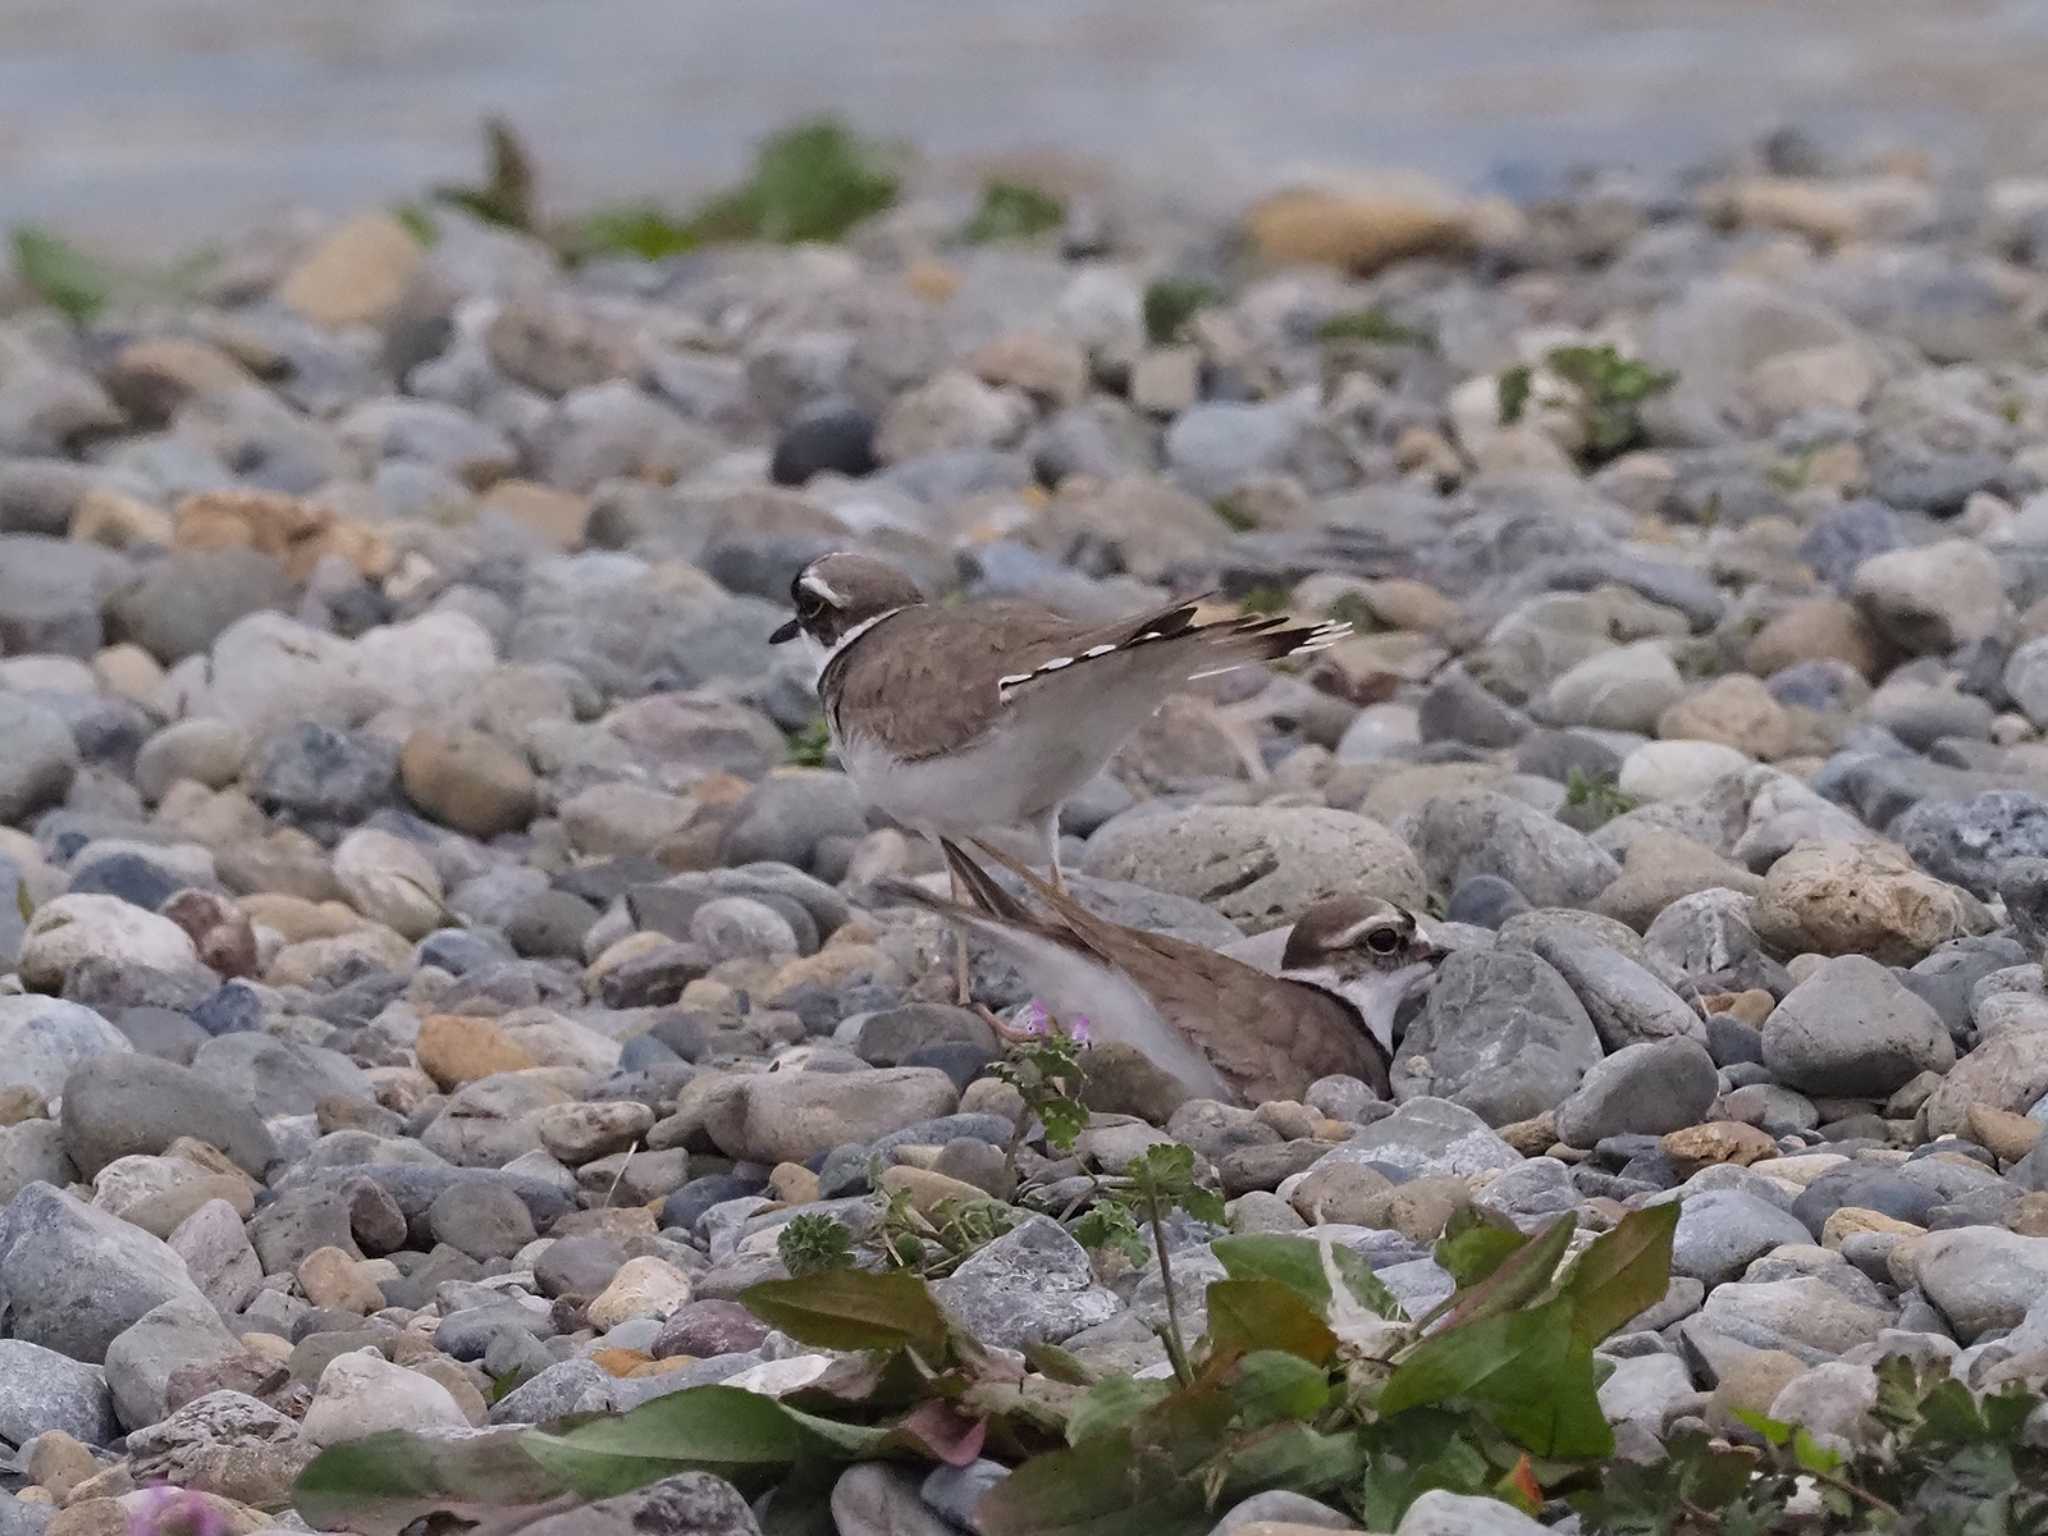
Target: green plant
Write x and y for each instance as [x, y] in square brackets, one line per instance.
[1266, 599]
[813, 1244]
[1598, 795]
[1233, 510]
[814, 181]
[80, 286]
[506, 194]
[940, 1243]
[1170, 303]
[1612, 387]
[811, 747]
[1046, 1072]
[1011, 210]
[418, 220]
[1150, 1189]
[1374, 325]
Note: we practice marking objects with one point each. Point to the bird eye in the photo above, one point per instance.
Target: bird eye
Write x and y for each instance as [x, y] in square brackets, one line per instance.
[1383, 941]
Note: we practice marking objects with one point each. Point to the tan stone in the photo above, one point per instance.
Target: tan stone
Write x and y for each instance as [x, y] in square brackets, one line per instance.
[296, 919]
[59, 1463]
[303, 965]
[2029, 1215]
[152, 377]
[1718, 1141]
[2007, 1136]
[1813, 629]
[929, 1190]
[1735, 710]
[1531, 1137]
[1362, 226]
[331, 1278]
[1862, 899]
[1751, 1382]
[269, 521]
[793, 1184]
[559, 517]
[643, 1287]
[129, 671]
[468, 780]
[454, 1049]
[1418, 1209]
[119, 521]
[1049, 367]
[1848, 1221]
[356, 275]
[620, 1362]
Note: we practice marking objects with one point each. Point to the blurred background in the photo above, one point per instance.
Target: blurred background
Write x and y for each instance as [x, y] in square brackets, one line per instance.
[155, 123]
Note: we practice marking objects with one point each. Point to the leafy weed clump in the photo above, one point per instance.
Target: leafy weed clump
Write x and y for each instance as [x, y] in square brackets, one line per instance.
[1012, 210]
[1612, 388]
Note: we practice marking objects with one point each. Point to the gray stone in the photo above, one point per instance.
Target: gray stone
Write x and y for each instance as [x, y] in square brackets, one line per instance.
[180, 604]
[226, 1443]
[1032, 1285]
[1644, 1389]
[574, 1386]
[218, 1255]
[1645, 1089]
[33, 1153]
[1437, 1513]
[687, 1504]
[1260, 866]
[1721, 1231]
[1427, 1137]
[876, 1499]
[1970, 842]
[1804, 1316]
[122, 1104]
[43, 1390]
[1500, 1034]
[487, 1222]
[76, 1277]
[279, 1077]
[184, 1331]
[38, 758]
[796, 1116]
[1982, 1278]
[320, 778]
[42, 1040]
[1479, 832]
[783, 819]
[1850, 1029]
[1627, 1003]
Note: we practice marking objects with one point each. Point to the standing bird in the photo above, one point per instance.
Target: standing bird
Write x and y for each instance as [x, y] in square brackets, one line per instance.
[954, 720]
[1221, 1028]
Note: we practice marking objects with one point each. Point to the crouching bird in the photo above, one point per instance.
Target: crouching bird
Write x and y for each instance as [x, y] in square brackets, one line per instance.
[1223, 1029]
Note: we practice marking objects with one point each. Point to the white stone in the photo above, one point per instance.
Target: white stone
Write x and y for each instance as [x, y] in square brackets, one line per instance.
[363, 1394]
[73, 928]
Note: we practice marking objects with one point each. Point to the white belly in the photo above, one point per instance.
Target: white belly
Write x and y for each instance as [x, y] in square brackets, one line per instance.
[995, 783]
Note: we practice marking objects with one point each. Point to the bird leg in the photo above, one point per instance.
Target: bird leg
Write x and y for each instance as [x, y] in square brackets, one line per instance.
[1047, 826]
[963, 982]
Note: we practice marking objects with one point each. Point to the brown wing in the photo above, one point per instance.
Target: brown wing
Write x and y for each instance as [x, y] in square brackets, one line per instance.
[952, 662]
[1269, 1037]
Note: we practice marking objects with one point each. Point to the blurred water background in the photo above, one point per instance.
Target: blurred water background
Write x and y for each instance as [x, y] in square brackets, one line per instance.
[155, 122]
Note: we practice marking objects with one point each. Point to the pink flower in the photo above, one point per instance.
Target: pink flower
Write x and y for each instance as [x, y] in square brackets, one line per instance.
[1077, 1029]
[168, 1511]
[1032, 1019]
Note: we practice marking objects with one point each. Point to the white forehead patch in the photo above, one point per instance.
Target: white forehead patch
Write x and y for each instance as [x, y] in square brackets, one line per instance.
[817, 586]
[1357, 932]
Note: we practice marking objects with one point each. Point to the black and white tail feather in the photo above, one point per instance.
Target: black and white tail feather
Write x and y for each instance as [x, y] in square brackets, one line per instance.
[1243, 639]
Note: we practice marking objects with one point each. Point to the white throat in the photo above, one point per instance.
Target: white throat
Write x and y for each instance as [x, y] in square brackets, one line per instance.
[1377, 997]
[823, 655]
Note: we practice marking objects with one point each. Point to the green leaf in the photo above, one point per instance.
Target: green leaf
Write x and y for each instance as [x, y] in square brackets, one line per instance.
[1623, 1272]
[1475, 1250]
[1111, 1405]
[1811, 1455]
[1290, 1456]
[1297, 1263]
[1106, 1486]
[1271, 1385]
[1422, 1450]
[1012, 211]
[1059, 1364]
[812, 1244]
[1526, 1368]
[1514, 393]
[23, 902]
[1521, 1277]
[1248, 1315]
[382, 1483]
[1776, 1432]
[852, 1309]
[1170, 303]
[714, 1429]
[62, 275]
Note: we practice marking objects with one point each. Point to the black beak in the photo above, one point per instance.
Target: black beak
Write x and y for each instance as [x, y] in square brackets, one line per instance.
[785, 634]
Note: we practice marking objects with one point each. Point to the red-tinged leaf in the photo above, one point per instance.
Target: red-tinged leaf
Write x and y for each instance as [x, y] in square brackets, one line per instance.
[1622, 1272]
[951, 1437]
[853, 1309]
[1248, 1315]
[1520, 1486]
[1521, 1277]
